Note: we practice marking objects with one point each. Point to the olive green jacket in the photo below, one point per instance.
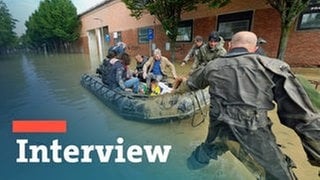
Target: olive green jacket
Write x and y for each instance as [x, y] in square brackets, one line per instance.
[206, 54]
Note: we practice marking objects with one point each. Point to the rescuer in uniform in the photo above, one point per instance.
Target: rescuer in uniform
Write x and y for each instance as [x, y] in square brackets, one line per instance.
[243, 87]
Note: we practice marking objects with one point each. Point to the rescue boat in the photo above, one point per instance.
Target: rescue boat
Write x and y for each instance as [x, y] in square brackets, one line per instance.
[152, 109]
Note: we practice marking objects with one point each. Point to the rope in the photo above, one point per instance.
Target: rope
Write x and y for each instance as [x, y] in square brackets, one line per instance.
[194, 112]
[204, 114]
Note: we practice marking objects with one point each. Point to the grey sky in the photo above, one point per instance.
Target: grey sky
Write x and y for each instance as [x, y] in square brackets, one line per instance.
[22, 9]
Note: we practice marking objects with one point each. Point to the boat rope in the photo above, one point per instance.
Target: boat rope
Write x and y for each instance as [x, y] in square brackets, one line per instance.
[203, 112]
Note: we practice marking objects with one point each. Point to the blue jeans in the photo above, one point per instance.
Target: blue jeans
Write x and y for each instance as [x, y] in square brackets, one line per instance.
[132, 83]
[153, 76]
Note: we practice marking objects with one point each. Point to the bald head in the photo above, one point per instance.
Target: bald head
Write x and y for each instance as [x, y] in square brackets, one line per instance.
[244, 39]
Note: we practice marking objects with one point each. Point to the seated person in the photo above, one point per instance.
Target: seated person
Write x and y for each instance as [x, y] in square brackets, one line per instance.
[141, 60]
[159, 88]
[154, 88]
[155, 67]
[119, 48]
[120, 76]
[164, 88]
[105, 68]
[113, 51]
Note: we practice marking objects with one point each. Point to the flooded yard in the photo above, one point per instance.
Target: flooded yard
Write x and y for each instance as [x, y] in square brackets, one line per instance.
[48, 87]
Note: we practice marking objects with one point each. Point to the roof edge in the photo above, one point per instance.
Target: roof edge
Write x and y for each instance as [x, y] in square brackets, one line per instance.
[95, 7]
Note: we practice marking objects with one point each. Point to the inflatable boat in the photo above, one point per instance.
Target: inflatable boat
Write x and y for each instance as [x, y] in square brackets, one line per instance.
[153, 109]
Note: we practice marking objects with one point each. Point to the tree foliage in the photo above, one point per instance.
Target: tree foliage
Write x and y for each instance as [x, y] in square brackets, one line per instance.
[54, 24]
[8, 37]
[289, 10]
[168, 12]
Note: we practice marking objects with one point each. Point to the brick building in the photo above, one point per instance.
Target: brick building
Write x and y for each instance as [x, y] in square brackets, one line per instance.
[110, 21]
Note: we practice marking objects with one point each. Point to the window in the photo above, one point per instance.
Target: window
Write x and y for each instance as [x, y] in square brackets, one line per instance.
[185, 31]
[230, 24]
[117, 37]
[143, 35]
[105, 30]
[310, 18]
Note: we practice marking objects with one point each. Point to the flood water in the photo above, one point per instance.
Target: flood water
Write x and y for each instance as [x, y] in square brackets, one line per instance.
[47, 87]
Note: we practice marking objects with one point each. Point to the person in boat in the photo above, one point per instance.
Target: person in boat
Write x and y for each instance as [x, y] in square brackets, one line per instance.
[105, 68]
[119, 76]
[198, 42]
[155, 68]
[138, 72]
[119, 48]
[155, 88]
[116, 50]
[209, 51]
[243, 87]
[158, 88]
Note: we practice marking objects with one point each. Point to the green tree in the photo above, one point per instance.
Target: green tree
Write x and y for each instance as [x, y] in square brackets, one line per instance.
[168, 12]
[54, 24]
[8, 37]
[289, 10]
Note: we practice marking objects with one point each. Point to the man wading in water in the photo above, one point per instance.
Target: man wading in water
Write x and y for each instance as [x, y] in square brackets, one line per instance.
[243, 88]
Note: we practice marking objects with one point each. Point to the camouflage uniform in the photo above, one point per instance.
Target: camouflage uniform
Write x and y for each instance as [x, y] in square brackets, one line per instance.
[192, 53]
[206, 54]
[243, 88]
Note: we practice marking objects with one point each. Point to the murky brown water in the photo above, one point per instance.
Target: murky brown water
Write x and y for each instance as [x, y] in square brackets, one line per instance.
[47, 87]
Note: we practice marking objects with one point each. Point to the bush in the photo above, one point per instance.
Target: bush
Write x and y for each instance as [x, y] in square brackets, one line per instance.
[313, 94]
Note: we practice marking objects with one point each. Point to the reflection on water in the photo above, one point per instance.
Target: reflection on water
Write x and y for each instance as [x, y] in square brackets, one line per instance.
[47, 87]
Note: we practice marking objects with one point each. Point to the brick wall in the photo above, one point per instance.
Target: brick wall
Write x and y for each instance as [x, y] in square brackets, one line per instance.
[302, 49]
[266, 24]
[302, 45]
[200, 28]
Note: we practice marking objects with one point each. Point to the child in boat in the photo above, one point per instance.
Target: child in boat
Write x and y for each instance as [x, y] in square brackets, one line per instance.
[154, 88]
[164, 88]
[157, 88]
